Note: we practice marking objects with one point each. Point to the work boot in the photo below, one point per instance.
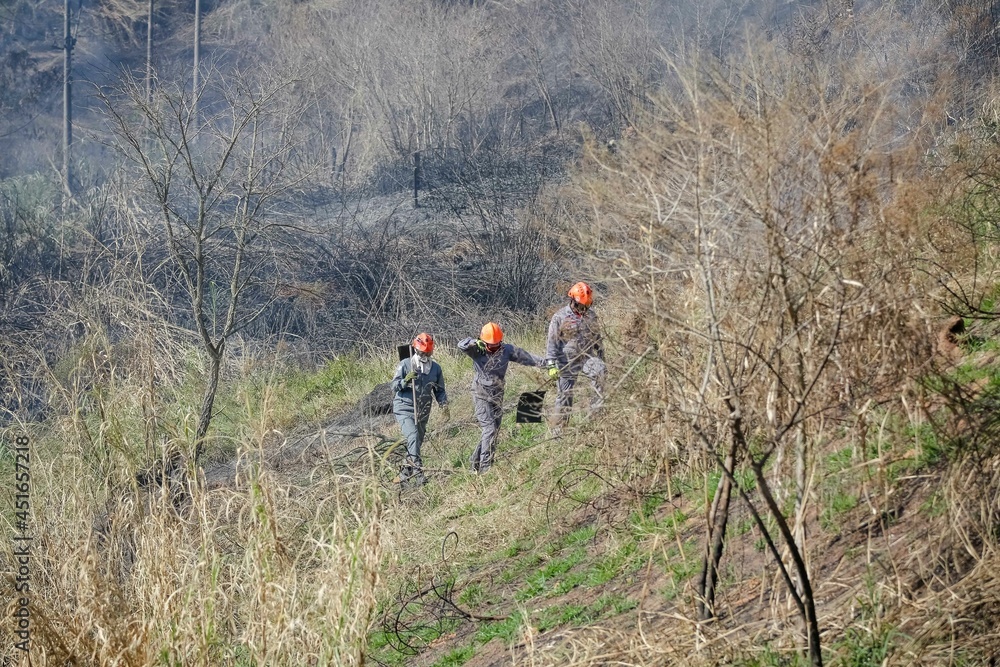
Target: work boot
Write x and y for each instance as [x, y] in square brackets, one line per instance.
[404, 474]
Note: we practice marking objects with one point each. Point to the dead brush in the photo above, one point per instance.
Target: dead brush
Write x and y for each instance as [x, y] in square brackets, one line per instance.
[265, 572]
[687, 644]
[269, 570]
[948, 599]
[767, 233]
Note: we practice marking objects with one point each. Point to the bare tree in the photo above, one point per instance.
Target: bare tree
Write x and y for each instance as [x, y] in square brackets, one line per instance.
[196, 79]
[216, 200]
[149, 51]
[616, 49]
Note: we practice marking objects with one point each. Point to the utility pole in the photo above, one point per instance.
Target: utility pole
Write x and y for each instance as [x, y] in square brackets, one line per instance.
[149, 53]
[416, 178]
[197, 60]
[68, 44]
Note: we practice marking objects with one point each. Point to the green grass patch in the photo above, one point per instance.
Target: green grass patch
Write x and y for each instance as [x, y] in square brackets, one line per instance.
[990, 299]
[519, 547]
[580, 535]
[708, 489]
[930, 449]
[681, 568]
[457, 657]
[691, 488]
[477, 510]
[558, 615]
[770, 657]
[526, 469]
[745, 479]
[524, 564]
[840, 460]
[582, 489]
[568, 583]
[650, 504]
[665, 527]
[507, 629]
[619, 604]
[742, 526]
[623, 559]
[525, 436]
[330, 379]
[935, 505]
[836, 506]
[970, 372]
[978, 344]
[537, 583]
[863, 647]
[472, 595]
[575, 614]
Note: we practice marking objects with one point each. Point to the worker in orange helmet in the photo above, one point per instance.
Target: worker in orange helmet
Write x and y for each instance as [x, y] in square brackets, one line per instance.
[417, 379]
[490, 358]
[573, 347]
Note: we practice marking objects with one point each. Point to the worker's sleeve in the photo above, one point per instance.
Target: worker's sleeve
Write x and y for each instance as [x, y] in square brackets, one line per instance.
[397, 379]
[468, 345]
[439, 393]
[597, 346]
[524, 357]
[553, 345]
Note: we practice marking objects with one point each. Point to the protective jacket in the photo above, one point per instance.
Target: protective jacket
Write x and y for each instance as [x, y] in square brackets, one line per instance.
[573, 337]
[428, 385]
[490, 369]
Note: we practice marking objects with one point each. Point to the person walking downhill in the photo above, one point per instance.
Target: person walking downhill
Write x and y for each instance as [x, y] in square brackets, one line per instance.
[574, 347]
[490, 358]
[417, 376]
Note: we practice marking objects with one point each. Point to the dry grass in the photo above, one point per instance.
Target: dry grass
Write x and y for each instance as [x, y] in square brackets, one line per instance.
[947, 599]
[267, 571]
[260, 574]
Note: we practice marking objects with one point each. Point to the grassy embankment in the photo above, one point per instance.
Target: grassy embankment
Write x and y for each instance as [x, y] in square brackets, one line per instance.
[554, 554]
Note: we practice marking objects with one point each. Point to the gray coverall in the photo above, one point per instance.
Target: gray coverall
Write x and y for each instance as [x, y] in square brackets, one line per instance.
[487, 393]
[574, 343]
[427, 384]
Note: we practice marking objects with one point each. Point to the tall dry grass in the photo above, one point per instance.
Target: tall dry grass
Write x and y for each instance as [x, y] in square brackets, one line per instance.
[268, 570]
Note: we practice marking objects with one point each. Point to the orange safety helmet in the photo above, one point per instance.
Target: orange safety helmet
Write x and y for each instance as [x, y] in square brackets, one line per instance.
[582, 294]
[491, 334]
[424, 343]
